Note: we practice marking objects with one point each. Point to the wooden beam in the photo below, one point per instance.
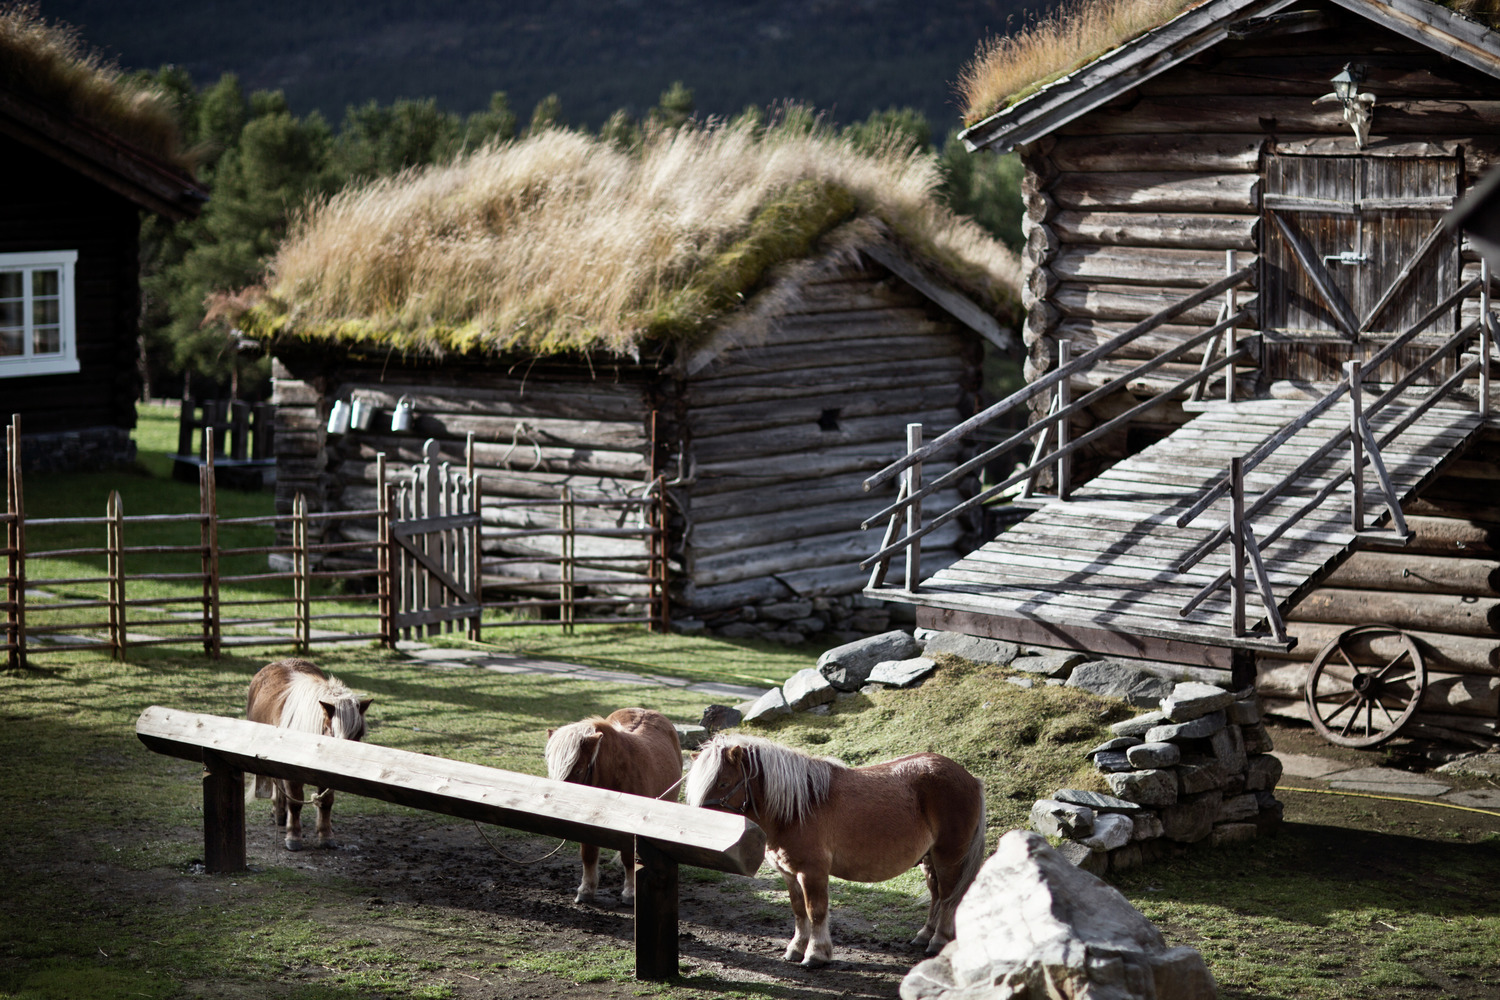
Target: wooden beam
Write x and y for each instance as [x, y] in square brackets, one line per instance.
[1033, 632]
[701, 837]
[950, 300]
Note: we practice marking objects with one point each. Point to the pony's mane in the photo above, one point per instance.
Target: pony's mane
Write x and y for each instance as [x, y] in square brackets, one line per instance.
[304, 713]
[792, 782]
[565, 744]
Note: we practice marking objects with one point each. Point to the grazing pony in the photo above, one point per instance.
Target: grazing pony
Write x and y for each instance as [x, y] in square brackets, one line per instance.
[864, 824]
[635, 750]
[295, 694]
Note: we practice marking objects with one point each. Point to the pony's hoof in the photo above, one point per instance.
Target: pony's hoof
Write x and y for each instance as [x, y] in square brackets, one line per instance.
[793, 954]
[934, 946]
[293, 845]
[627, 899]
[922, 937]
[584, 897]
[814, 961]
[329, 845]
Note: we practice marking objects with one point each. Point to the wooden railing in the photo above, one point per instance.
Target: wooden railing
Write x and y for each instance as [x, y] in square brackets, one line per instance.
[420, 571]
[1364, 448]
[1052, 429]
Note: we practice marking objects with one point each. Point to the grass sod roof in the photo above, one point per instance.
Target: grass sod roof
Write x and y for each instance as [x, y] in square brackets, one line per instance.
[1008, 69]
[49, 63]
[563, 243]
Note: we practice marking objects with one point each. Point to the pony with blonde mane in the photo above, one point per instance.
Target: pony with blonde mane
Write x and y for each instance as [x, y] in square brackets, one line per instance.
[823, 818]
[295, 694]
[635, 751]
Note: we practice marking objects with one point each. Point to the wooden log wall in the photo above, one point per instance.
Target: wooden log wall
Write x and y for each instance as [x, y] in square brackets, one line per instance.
[1443, 588]
[537, 429]
[1133, 205]
[780, 432]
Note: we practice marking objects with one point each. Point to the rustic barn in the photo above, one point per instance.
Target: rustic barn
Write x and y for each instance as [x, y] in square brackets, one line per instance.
[748, 321]
[1224, 208]
[86, 152]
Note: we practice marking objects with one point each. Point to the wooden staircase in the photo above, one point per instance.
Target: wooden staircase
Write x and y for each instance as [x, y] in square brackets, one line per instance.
[1101, 570]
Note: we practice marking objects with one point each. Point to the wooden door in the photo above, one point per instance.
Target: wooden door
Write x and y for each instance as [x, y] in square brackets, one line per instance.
[1353, 253]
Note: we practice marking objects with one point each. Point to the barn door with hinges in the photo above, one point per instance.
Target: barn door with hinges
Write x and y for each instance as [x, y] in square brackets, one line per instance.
[1353, 252]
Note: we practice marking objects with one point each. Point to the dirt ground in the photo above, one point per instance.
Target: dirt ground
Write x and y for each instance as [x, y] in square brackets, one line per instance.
[436, 892]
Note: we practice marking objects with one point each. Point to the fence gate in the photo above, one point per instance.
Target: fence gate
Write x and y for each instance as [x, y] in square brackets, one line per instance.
[433, 550]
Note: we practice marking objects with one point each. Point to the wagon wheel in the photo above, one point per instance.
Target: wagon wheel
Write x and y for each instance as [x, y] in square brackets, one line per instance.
[1361, 700]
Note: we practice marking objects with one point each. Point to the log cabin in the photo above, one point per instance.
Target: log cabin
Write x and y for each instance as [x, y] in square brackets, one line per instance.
[749, 319]
[1257, 358]
[86, 153]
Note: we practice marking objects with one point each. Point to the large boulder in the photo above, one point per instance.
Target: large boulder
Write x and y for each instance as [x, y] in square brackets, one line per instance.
[1034, 927]
[995, 652]
[847, 667]
[1119, 679]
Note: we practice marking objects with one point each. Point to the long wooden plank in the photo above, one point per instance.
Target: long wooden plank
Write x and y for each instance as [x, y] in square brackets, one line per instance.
[706, 838]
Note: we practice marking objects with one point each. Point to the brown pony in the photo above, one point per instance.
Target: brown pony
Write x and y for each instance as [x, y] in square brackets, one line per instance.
[635, 750]
[295, 694]
[864, 824]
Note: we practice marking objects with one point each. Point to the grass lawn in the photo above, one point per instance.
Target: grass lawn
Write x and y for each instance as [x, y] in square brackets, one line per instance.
[100, 896]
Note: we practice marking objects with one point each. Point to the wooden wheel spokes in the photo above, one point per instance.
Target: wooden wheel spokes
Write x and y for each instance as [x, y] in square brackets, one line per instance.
[1364, 704]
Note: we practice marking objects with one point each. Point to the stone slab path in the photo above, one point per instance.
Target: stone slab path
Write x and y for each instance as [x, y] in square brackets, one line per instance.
[1326, 773]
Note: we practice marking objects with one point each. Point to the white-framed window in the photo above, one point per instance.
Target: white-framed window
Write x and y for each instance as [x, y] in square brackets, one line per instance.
[37, 336]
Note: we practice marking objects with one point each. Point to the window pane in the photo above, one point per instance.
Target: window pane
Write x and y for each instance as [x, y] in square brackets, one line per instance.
[11, 343]
[11, 286]
[44, 282]
[46, 340]
[45, 312]
[12, 314]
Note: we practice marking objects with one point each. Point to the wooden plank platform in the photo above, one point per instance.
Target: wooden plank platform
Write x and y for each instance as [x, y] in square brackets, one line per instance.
[1099, 571]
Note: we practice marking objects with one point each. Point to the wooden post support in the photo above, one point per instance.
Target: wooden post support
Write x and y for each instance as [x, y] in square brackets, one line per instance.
[1064, 397]
[223, 814]
[383, 555]
[655, 913]
[1231, 340]
[1352, 371]
[565, 565]
[1237, 535]
[475, 543]
[662, 582]
[913, 476]
[1486, 338]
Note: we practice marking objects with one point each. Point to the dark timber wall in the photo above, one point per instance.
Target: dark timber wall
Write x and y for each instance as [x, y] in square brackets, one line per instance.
[45, 206]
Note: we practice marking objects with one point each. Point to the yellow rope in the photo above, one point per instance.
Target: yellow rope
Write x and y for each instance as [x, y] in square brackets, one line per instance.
[1388, 798]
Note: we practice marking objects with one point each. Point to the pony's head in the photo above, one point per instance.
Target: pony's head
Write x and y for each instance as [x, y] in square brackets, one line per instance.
[344, 715]
[572, 751]
[747, 774]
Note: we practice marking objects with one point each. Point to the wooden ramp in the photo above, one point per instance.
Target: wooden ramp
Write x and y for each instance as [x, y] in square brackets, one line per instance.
[1099, 571]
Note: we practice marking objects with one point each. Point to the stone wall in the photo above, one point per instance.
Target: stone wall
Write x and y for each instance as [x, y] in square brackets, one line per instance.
[87, 449]
[1199, 769]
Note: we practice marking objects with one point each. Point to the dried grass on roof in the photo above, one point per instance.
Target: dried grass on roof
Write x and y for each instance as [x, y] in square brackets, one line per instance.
[1009, 68]
[563, 242]
[49, 62]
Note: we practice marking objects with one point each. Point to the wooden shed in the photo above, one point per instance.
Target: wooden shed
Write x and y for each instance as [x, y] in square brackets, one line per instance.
[83, 161]
[1222, 212]
[750, 320]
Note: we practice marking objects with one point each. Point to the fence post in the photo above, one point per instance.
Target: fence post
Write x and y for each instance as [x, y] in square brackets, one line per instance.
[1064, 398]
[15, 540]
[208, 508]
[476, 542]
[114, 533]
[1231, 339]
[565, 561]
[913, 510]
[661, 579]
[383, 555]
[1237, 533]
[301, 607]
[1352, 371]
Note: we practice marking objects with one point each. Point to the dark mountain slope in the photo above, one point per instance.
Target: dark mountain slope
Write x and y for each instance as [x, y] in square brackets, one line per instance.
[848, 56]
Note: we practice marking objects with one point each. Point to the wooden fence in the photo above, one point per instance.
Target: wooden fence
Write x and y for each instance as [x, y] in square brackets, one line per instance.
[413, 565]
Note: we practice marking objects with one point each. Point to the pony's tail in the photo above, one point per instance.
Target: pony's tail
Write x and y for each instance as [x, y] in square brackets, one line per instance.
[974, 859]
